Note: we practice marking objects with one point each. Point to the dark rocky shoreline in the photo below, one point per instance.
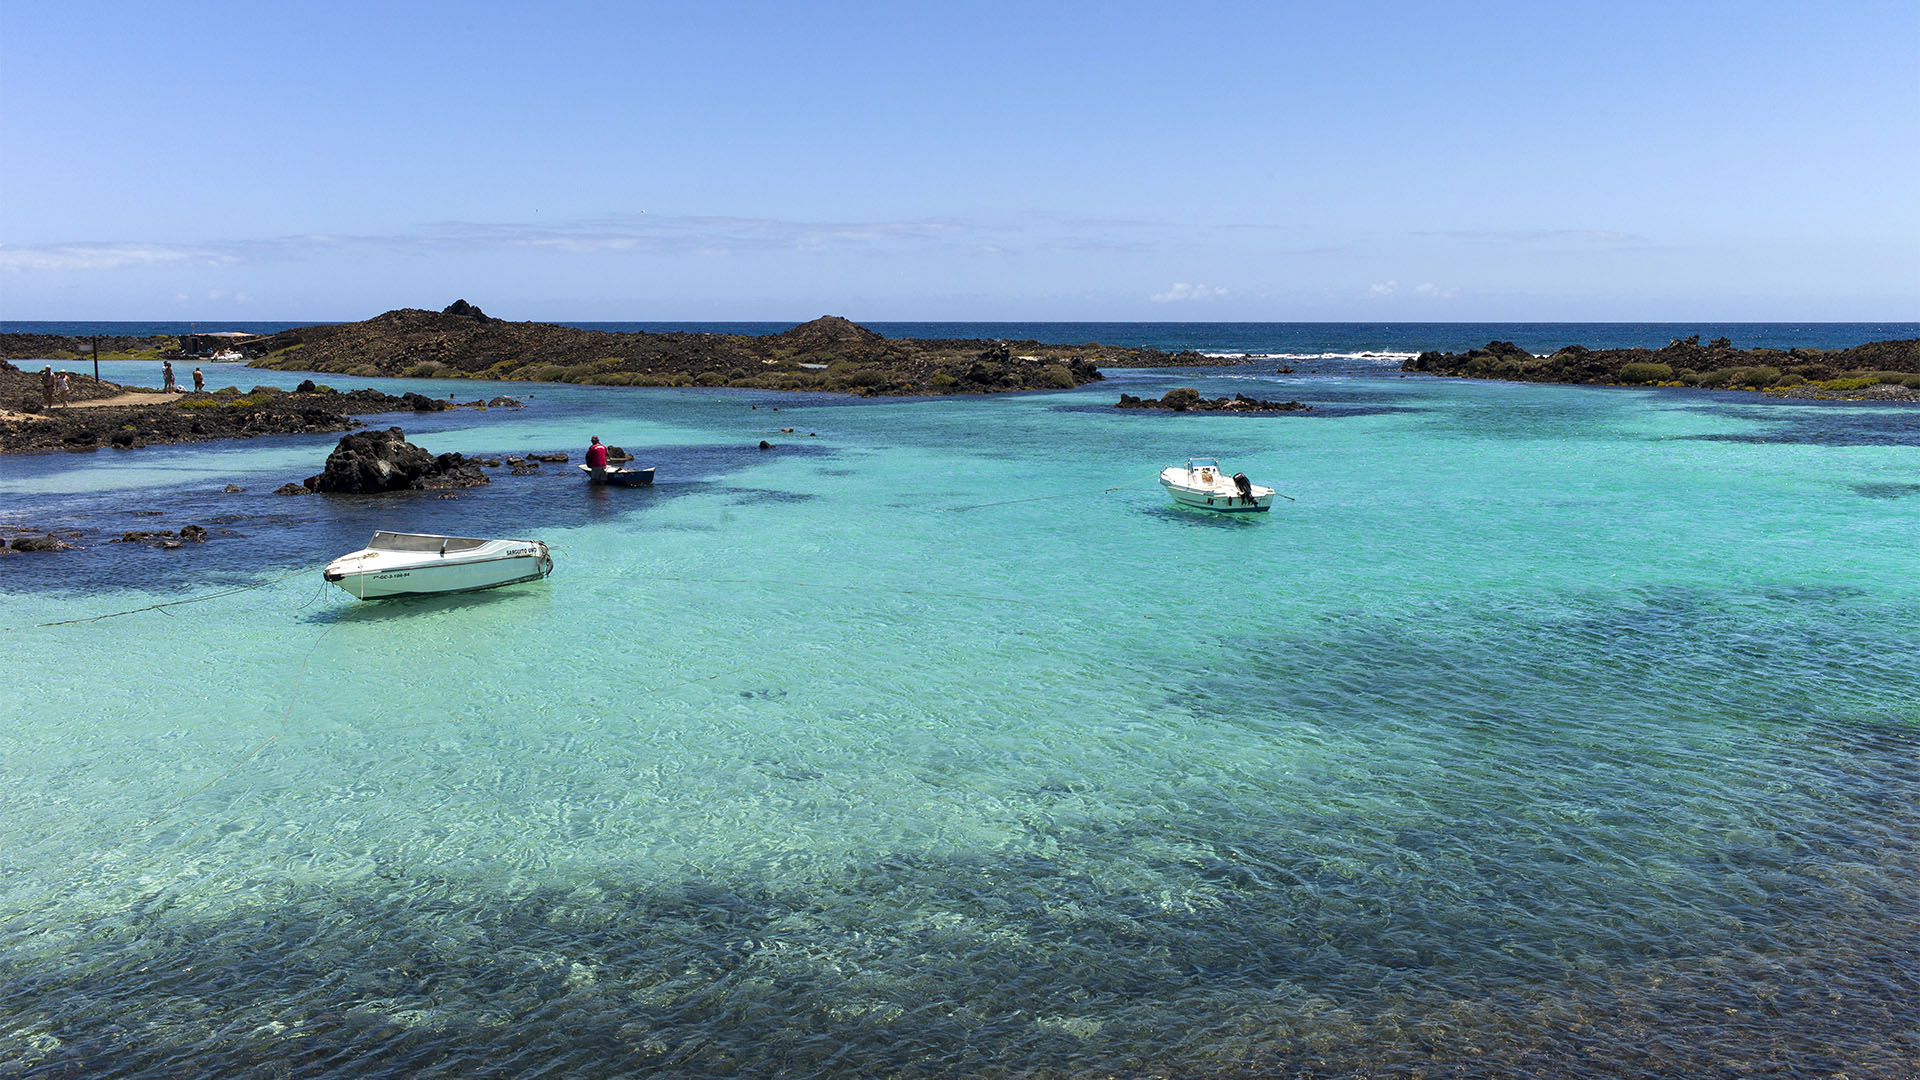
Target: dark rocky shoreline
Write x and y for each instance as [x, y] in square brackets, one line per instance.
[835, 355]
[827, 354]
[1879, 370]
[193, 417]
[1187, 399]
[376, 463]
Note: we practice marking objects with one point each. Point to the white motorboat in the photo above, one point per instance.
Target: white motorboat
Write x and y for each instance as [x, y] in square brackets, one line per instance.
[619, 476]
[414, 564]
[1203, 485]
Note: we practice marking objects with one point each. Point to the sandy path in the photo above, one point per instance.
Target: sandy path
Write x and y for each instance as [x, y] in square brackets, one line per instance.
[129, 399]
[119, 399]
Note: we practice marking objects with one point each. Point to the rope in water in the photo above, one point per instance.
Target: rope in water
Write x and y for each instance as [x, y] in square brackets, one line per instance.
[1037, 498]
[1010, 502]
[161, 607]
[286, 719]
[825, 585]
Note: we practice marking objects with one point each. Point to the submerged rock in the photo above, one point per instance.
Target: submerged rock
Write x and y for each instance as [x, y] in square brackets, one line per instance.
[166, 538]
[44, 542]
[1187, 399]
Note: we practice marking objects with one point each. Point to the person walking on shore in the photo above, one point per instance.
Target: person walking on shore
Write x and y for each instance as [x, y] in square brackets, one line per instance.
[166, 375]
[199, 381]
[46, 386]
[63, 388]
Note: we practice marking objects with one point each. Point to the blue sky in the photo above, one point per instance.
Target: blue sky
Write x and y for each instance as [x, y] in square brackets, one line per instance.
[886, 161]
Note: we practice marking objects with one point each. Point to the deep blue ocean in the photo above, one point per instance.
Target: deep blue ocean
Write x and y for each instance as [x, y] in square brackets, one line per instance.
[1538, 731]
[1266, 339]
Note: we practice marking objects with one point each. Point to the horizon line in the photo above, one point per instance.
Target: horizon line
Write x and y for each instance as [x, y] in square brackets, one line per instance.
[310, 321]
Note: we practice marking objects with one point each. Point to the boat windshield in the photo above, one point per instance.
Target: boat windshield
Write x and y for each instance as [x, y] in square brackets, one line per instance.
[398, 541]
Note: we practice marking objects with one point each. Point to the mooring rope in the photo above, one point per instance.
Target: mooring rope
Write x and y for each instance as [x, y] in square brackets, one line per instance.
[98, 855]
[1037, 498]
[161, 607]
[827, 585]
[1010, 502]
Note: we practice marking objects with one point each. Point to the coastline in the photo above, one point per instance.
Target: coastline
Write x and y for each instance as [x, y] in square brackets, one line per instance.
[833, 354]
[1875, 370]
[828, 354]
[106, 414]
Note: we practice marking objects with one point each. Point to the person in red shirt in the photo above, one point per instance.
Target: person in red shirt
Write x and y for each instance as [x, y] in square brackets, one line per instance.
[597, 456]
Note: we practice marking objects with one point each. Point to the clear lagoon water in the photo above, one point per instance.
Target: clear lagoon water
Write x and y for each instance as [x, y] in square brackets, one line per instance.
[1539, 730]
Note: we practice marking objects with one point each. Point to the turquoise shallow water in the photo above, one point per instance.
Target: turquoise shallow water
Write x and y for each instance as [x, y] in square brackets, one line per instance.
[1543, 730]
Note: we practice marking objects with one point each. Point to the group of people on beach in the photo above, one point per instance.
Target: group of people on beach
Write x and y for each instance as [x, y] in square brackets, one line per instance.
[54, 384]
[167, 383]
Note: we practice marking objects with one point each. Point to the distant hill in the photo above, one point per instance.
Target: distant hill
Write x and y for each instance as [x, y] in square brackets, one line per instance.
[829, 353]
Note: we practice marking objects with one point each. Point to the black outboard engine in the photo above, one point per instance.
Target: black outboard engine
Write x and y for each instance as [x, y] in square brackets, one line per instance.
[1245, 485]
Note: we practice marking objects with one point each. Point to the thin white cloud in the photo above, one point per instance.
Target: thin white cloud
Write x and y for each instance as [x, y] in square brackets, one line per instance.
[1542, 237]
[1101, 245]
[1183, 292]
[1077, 224]
[107, 256]
[1428, 288]
[692, 235]
[1383, 288]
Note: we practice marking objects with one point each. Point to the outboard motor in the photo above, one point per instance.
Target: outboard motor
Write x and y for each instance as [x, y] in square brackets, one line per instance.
[1245, 485]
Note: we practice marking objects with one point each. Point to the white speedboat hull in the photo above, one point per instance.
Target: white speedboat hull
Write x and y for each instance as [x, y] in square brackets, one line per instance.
[420, 564]
[1205, 487]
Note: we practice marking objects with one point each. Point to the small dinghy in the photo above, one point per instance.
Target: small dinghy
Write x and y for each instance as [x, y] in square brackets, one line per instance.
[1202, 485]
[417, 564]
[618, 476]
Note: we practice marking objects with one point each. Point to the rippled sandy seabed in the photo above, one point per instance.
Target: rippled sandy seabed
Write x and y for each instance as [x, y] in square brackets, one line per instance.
[1545, 731]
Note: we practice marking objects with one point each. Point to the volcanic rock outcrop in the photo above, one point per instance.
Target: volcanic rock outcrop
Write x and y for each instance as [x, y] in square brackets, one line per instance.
[1187, 399]
[1877, 369]
[827, 354]
[372, 462]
